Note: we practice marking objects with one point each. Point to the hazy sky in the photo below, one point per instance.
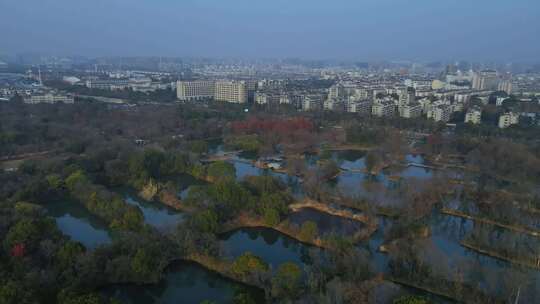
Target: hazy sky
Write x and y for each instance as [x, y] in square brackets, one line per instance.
[506, 30]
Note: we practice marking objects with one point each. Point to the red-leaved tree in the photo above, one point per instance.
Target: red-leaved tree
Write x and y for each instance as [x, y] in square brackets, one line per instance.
[18, 250]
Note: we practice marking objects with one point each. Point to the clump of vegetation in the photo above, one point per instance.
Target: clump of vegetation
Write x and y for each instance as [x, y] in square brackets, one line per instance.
[33, 251]
[220, 170]
[362, 136]
[287, 282]
[249, 264]
[247, 143]
[103, 203]
[308, 231]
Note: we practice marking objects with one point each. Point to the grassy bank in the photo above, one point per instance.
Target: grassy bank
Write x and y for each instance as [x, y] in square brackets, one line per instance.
[244, 221]
[531, 263]
[515, 228]
[287, 229]
[222, 267]
[466, 294]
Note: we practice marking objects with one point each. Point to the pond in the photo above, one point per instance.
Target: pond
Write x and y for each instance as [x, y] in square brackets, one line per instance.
[350, 159]
[446, 234]
[215, 146]
[185, 182]
[273, 247]
[79, 224]
[357, 184]
[488, 273]
[185, 283]
[417, 172]
[155, 214]
[326, 223]
[353, 182]
[246, 168]
[443, 251]
[414, 159]
[378, 260]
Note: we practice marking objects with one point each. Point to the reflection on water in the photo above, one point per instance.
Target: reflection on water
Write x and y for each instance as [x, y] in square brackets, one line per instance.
[272, 246]
[79, 224]
[326, 223]
[215, 146]
[184, 182]
[350, 159]
[246, 168]
[184, 283]
[378, 260]
[442, 249]
[414, 158]
[416, 172]
[443, 252]
[155, 214]
[351, 182]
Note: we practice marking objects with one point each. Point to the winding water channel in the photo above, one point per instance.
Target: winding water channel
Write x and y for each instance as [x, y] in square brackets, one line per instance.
[272, 246]
[185, 283]
[155, 214]
[77, 223]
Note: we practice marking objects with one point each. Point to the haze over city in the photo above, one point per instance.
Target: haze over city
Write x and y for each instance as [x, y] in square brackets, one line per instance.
[280, 152]
[483, 30]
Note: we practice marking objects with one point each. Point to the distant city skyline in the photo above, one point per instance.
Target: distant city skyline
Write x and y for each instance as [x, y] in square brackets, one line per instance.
[365, 30]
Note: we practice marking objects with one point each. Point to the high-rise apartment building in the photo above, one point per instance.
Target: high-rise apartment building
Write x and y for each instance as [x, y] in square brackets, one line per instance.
[407, 96]
[485, 80]
[462, 97]
[361, 106]
[508, 119]
[195, 90]
[410, 110]
[267, 98]
[383, 108]
[474, 116]
[335, 92]
[312, 102]
[440, 113]
[505, 86]
[231, 91]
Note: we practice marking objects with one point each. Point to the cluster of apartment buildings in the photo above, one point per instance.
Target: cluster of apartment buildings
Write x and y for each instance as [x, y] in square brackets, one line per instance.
[390, 100]
[491, 80]
[507, 119]
[411, 98]
[424, 96]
